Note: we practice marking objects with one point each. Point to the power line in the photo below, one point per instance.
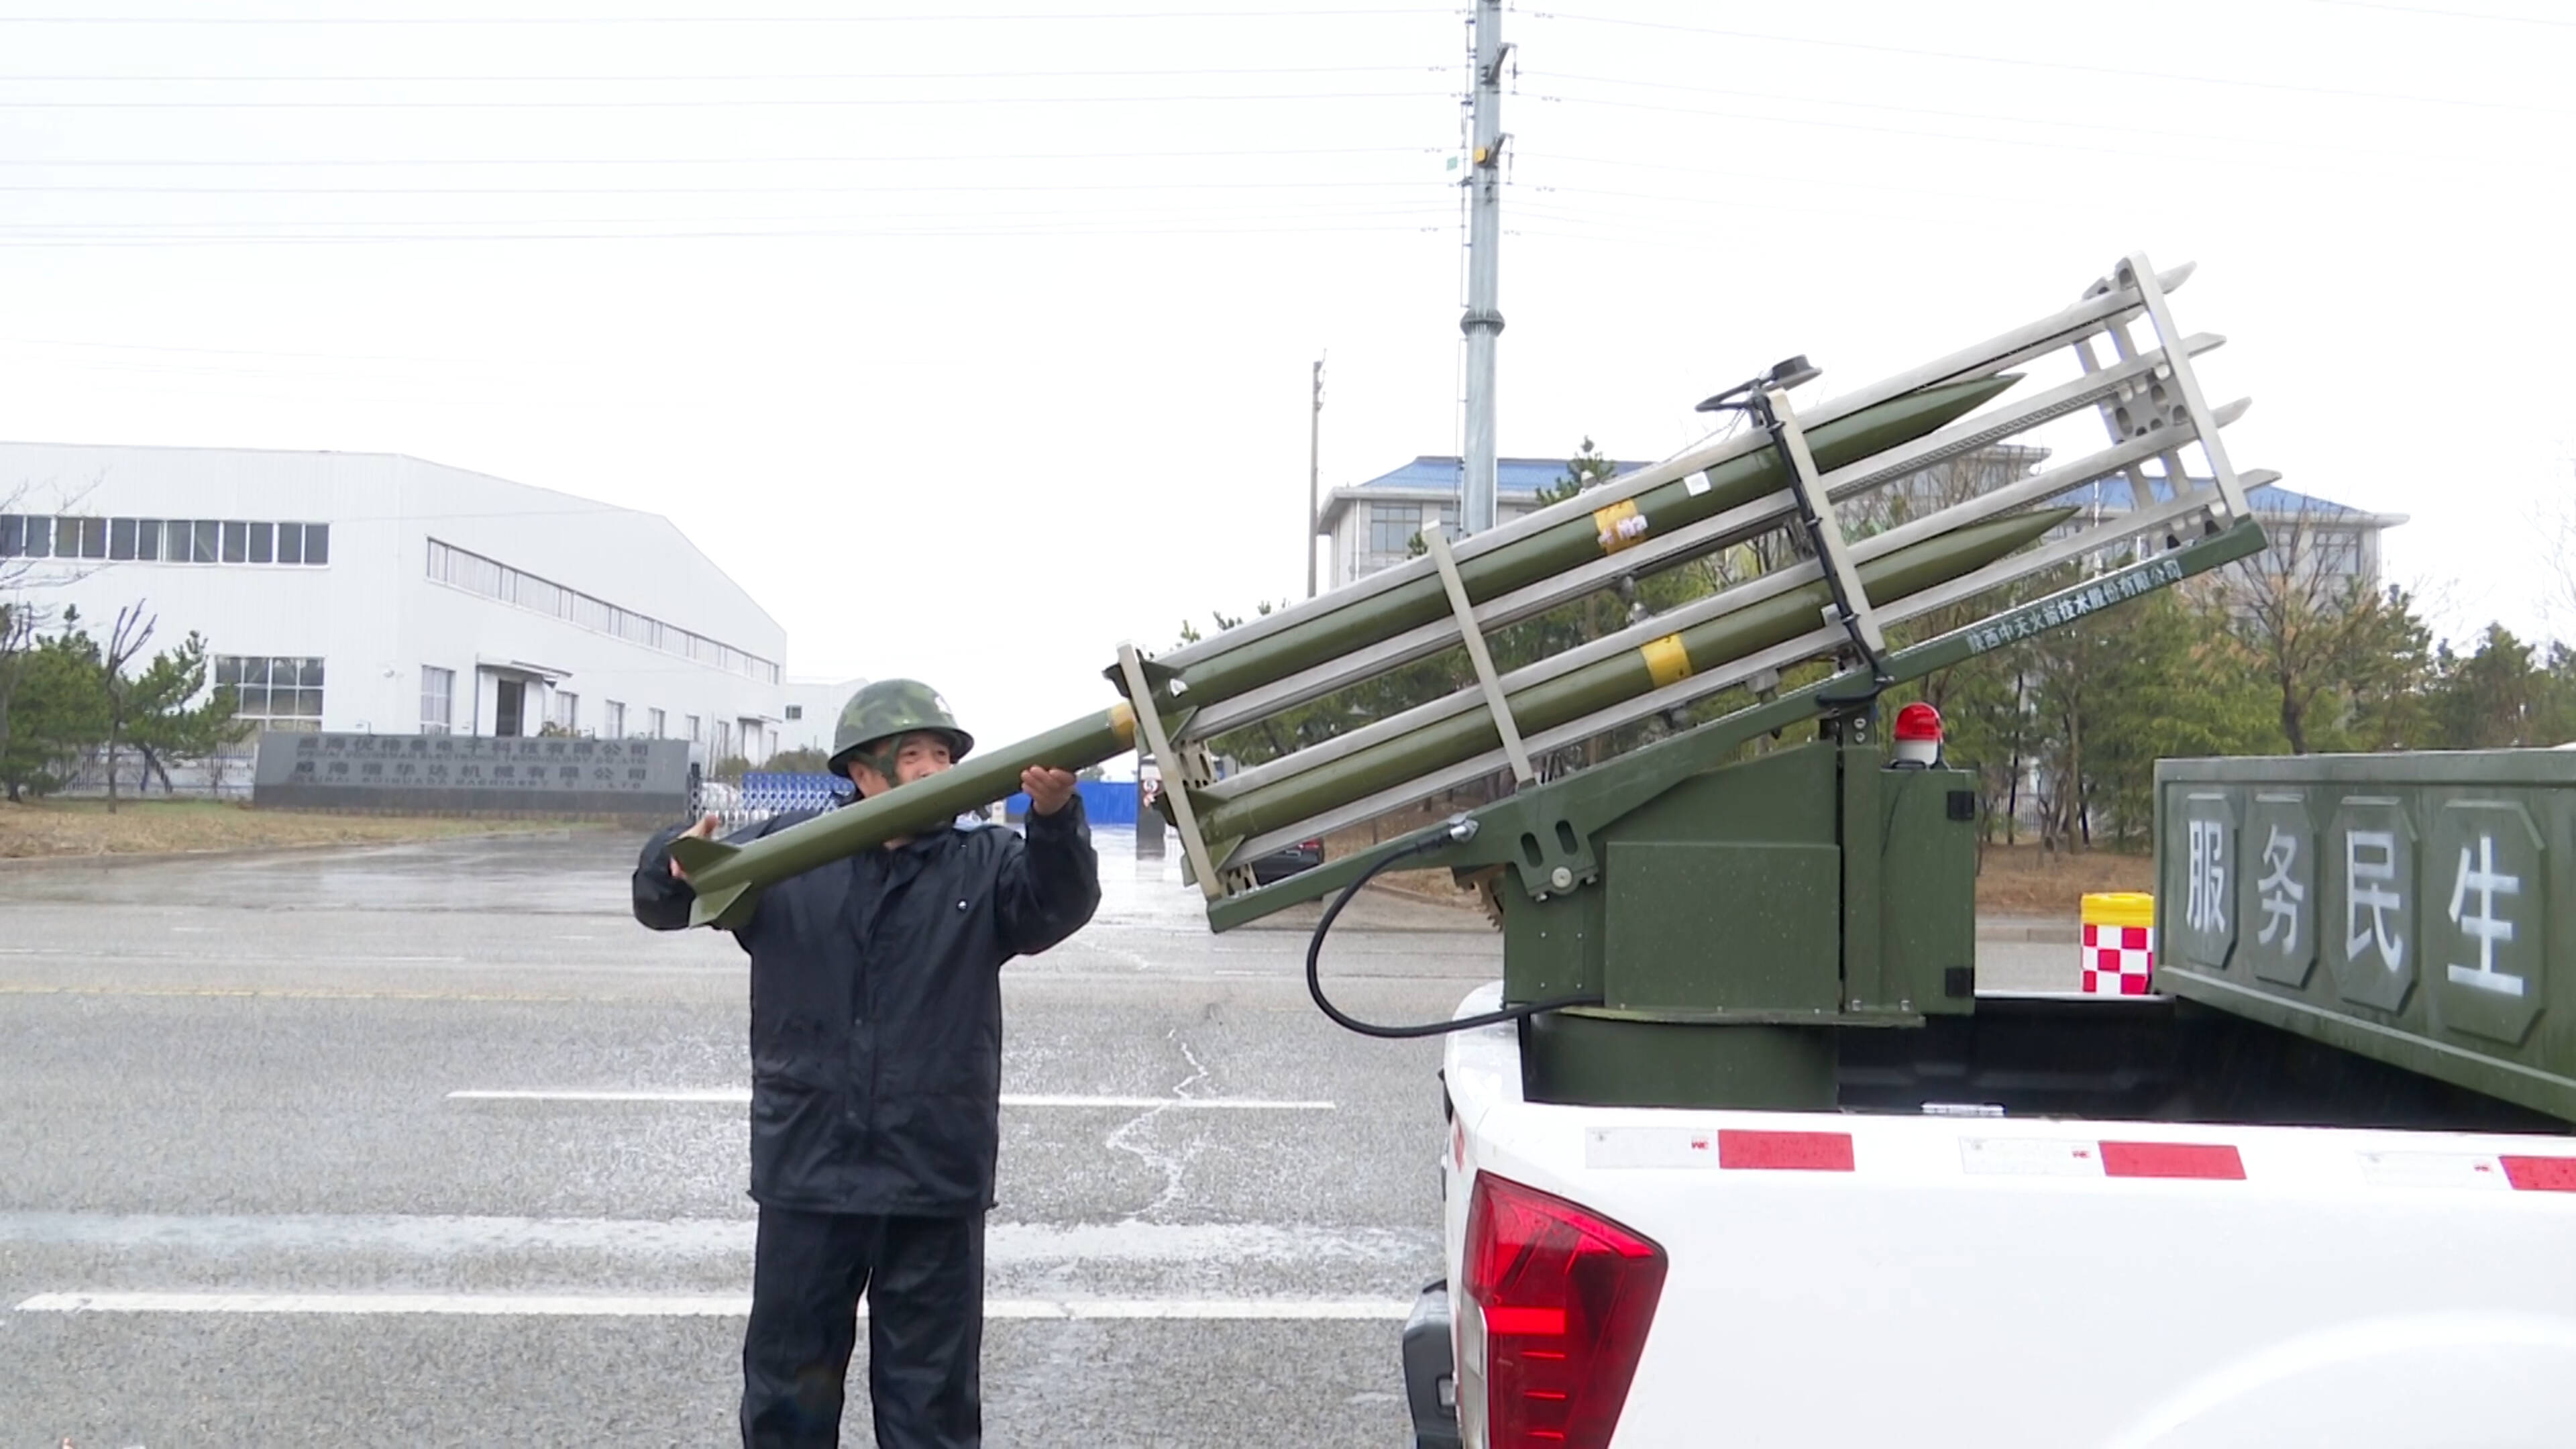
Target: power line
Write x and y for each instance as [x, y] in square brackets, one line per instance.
[1252, 228]
[1911, 132]
[805, 189]
[763, 78]
[2072, 67]
[2050, 122]
[1225, 155]
[737, 102]
[592, 20]
[2447, 14]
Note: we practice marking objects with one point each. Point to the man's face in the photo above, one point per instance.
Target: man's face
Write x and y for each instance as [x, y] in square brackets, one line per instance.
[916, 756]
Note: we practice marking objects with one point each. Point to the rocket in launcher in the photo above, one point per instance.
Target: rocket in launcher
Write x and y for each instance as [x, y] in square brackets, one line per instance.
[728, 878]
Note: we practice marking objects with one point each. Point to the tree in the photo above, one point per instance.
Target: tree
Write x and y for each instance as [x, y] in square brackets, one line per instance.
[167, 724]
[2496, 698]
[57, 712]
[797, 762]
[132, 631]
[2331, 648]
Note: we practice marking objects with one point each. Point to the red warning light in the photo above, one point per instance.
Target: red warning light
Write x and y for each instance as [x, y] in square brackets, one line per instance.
[1918, 736]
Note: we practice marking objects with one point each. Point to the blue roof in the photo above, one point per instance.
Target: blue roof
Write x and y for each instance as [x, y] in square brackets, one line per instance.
[1512, 475]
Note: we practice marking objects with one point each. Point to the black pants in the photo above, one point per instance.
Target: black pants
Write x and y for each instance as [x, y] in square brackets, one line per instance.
[924, 1280]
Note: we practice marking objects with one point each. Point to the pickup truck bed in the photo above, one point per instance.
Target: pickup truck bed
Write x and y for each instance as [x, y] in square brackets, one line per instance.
[2162, 1254]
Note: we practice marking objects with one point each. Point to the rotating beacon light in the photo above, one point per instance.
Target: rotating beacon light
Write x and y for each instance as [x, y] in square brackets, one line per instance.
[1918, 738]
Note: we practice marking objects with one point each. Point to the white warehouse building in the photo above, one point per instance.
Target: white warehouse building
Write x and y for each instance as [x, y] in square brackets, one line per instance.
[380, 593]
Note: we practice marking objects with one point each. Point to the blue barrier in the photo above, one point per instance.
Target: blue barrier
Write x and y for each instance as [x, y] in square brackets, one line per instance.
[778, 793]
[1106, 802]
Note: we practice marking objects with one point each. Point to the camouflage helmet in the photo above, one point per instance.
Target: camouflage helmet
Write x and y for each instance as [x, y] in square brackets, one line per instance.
[885, 710]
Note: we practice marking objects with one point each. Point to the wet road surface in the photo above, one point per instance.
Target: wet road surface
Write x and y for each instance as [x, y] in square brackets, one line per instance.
[432, 1144]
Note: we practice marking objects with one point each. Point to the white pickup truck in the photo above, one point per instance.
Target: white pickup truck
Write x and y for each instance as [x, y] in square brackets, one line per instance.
[2059, 1222]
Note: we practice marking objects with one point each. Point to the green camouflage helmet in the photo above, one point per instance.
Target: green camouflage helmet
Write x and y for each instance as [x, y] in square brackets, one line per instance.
[884, 712]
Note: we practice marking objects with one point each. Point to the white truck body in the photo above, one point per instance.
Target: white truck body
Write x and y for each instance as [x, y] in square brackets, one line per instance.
[1946, 1280]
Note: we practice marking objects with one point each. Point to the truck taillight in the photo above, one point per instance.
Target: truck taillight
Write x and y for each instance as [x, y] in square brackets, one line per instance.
[1564, 1297]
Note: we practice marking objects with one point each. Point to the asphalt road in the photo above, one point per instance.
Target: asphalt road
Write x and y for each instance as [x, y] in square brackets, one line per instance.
[433, 1145]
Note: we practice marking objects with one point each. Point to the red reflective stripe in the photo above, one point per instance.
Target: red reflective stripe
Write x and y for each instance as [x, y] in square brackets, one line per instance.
[1523, 1319]
[1786, 1151]
[2541, 1174]
[2172, 1159]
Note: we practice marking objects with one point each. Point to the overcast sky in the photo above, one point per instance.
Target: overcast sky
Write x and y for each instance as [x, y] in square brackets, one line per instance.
[974, 343]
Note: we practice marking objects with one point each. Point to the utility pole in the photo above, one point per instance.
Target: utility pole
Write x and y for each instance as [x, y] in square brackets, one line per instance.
[1314, 475]
[1484, 237]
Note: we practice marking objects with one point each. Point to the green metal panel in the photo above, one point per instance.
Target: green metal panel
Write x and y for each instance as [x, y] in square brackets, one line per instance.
[2436, 891]
[1927, 892]
[1571, 1056]
[1713, 926]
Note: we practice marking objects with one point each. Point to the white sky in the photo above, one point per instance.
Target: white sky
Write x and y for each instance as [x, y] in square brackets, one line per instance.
[972, 344]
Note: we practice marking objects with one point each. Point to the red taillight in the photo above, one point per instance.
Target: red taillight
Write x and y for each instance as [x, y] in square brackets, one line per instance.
[1565, 1297]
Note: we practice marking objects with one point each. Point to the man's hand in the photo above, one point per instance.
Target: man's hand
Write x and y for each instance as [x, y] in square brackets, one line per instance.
[1047, 789]
[705, 829]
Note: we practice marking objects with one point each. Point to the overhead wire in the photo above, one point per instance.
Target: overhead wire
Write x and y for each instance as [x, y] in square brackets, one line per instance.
[666, 103]
[928, 157]
[935, 17]
[2069, 67]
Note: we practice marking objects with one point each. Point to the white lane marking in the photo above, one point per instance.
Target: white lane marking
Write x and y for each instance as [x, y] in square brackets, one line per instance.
[738, 1096]
[696, 1305]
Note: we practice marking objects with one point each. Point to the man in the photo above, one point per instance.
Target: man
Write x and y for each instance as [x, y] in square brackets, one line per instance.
[876, 1059]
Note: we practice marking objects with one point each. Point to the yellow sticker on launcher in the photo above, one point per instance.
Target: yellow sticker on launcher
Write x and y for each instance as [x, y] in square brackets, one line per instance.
[1619, 525]
[1667, 662]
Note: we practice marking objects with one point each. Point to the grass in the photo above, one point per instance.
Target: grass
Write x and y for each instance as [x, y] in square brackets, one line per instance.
[58, 828]
[2023, 880]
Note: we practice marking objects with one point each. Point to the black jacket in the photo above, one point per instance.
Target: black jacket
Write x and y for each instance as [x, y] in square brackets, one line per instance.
[876, 1006]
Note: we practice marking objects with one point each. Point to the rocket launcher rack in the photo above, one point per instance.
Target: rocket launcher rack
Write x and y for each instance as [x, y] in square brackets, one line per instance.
[1836, 603]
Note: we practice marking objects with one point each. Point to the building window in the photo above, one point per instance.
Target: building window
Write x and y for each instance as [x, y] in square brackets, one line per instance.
[1394, 526]
[156, 540]
[437, 700]
[795, 711]
[653, 723]
[273, 693]
[567, 715]
[612, 721]
[724, 739]
[492, 579]
[697, 733]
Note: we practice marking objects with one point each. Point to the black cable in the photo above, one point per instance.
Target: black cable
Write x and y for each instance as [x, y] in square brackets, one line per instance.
[1315, 955]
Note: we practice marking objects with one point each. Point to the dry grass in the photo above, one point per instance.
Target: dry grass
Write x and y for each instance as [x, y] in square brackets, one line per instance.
[2023, 880]
[161, 827]
[2018, 880]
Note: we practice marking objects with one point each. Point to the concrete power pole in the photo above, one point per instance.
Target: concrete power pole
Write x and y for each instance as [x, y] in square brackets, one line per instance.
[1314, 475]
[1484, 237]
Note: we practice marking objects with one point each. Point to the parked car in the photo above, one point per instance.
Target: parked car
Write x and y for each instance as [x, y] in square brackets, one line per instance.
[1288, 860]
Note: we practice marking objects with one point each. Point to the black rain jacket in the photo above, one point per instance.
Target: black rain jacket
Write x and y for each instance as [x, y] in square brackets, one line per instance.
[876, 1006]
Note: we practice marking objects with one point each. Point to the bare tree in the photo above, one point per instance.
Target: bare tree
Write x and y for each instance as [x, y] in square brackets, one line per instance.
[124, 642]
